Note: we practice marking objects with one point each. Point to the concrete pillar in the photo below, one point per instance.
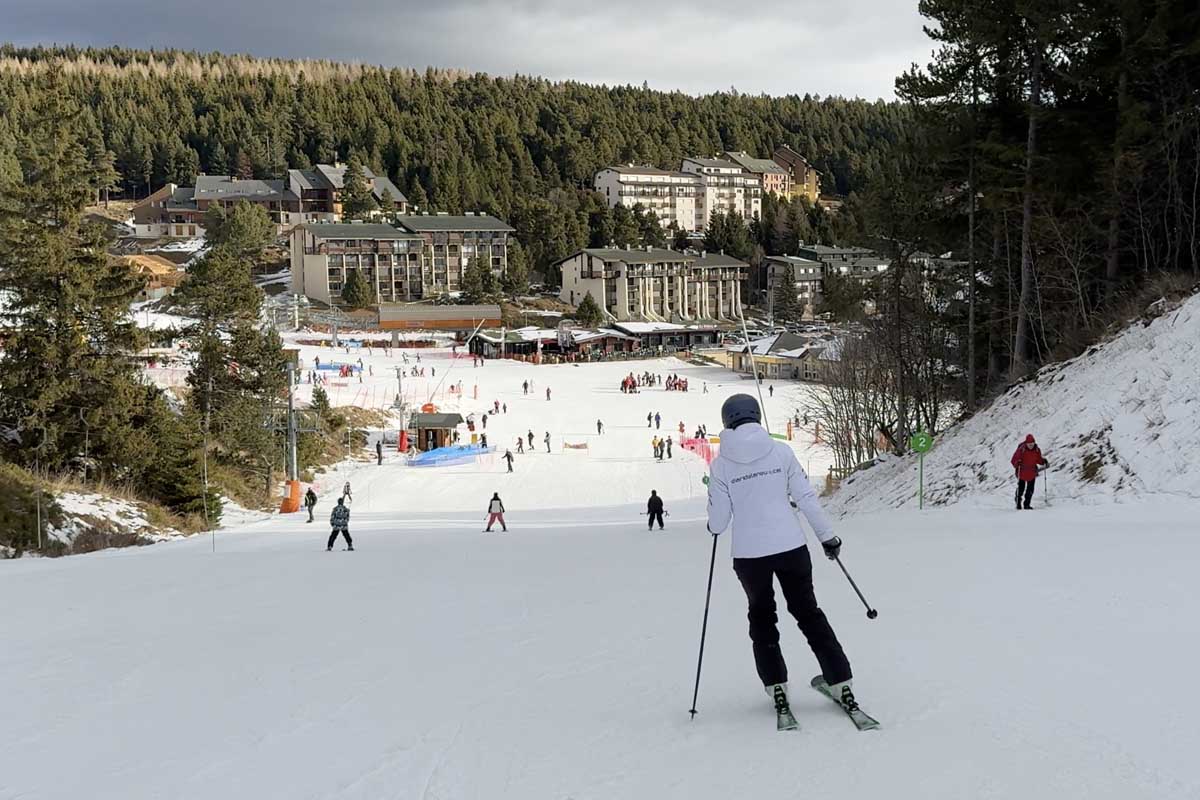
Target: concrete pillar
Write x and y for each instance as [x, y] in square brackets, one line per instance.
[720, 298]
[683, 298]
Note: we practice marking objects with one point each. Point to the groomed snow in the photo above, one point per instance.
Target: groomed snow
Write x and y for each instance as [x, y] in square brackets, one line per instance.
[1049, 654]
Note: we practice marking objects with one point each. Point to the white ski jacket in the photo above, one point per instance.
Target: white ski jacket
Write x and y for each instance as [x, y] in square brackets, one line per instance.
[749, 484]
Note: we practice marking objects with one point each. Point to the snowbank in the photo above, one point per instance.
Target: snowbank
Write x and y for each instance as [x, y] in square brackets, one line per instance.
[94, 521]
[1118, 422]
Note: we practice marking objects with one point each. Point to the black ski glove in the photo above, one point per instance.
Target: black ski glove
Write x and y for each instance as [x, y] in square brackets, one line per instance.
[832, 548]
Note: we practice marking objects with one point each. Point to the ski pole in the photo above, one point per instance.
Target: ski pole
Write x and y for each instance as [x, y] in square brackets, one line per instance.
[704, 627]
[871, 613]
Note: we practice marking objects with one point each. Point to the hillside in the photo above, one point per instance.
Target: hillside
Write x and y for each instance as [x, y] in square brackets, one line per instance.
[1119, 422]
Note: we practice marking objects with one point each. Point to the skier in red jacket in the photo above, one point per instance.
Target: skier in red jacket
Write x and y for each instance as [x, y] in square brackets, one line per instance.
[1026, 461]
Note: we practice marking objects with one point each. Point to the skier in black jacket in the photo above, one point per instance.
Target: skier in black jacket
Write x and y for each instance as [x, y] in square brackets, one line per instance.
[654, 510]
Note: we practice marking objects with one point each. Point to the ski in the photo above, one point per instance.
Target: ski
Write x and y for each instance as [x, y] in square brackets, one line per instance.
[785, 720]
[860, 718]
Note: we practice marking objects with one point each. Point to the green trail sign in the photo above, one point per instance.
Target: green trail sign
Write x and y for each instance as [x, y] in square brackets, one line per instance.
[920, 442]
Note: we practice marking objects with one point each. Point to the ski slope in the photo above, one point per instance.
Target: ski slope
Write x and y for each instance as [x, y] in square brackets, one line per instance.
[1041, 655]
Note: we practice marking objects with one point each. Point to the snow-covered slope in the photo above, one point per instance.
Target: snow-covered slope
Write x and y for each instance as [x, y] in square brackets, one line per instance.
[1119, 422]
[556, 661]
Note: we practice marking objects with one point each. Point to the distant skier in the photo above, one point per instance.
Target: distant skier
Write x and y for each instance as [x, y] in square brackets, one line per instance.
[657, 421]
[483, 440]
[505, 407]
[654, 510]
[599, 428]
[520, 445]
[347, 495]
[547, 441]
[339, 520]
[525, 387]
[649, 420]
[750, 483]
[531, 438]
[484, 418]
[668, 447]
[771, 390]
[310, 502]
[508, 456]
[547, 393]
[496, 513]
[1027, 461]
[706, 387]
[379, 452]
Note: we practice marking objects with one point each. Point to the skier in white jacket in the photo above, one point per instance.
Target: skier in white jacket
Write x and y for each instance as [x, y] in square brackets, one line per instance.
[750, 484]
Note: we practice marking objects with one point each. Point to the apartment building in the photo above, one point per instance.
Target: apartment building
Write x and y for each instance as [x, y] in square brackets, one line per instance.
[805, 274]
[725, 187]
[422, 256]
[304, 196]
[775, 179]
[805, 180]
[670, 196]
[655, 284]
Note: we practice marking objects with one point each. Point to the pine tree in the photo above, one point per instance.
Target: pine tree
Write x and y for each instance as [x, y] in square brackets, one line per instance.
[786, 306]
[516, 275]
[244, 230]
[479, 282]
[357, 293]
[69, 336]
[104, 171]
[357, 200]
[588, 312]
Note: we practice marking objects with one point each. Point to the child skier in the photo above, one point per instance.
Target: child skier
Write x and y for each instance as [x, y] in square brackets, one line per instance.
[750, 484]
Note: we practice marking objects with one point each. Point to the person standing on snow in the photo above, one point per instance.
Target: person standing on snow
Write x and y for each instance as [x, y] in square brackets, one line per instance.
[346, 494]
[668, 447]
[1027, 461]
[310, 502]
[547, 393]
[547, 441]
[654, 510]
[339, 520]
[649, 420]
[525, 387]
[496, 513]
[508, 456]
[531, 438]
[599, 428]
[754, 483]
[657, 421]
[520, 445]
[379, 452]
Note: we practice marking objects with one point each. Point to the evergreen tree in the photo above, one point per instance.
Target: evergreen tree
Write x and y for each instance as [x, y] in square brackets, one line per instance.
[728, 234]
[479, 282]
[786, 306]
[516, 275]
[357, 200]
[589, 313]
[680, 240]
[68, 333]
[357, 293]
[243, 231]
[104, 171]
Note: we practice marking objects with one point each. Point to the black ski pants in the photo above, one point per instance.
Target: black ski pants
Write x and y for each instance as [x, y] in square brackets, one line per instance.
[1025, 488]
[655, 515]
[793, 568]
[333, 537]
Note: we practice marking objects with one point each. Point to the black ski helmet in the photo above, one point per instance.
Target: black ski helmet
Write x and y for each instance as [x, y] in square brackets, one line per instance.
[738, 409]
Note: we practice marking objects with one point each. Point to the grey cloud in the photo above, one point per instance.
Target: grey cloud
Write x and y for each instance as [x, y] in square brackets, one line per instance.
[851, 47]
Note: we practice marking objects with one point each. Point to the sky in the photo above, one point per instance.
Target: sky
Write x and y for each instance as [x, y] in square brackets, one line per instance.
[826, 47]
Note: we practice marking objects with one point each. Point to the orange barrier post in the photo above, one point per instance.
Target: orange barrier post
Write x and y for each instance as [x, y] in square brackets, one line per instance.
[291, 501]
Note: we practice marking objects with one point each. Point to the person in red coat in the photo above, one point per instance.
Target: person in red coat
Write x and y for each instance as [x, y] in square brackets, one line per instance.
[1027, 461]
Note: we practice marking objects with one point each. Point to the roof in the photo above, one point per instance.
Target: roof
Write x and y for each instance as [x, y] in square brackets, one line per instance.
[150, 264]
[306, 178]
[788, 154]
[392, 312]
[437, 420]
[654, 255]
[184, 197]
[661, 327]
[718, 163]
[224, 187]
[421, 223]
[333, 176]
[632, 170]
[795, 260]
[600, 333]
[752, 164]
[718, 260]
[379, 184]
[784, 345]
[356, 230]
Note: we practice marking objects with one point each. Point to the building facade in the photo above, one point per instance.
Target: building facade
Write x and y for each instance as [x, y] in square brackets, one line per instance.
[805, 274]
[805, 180]
[670, 196]
[655, 284]
[420, 257]
[775, 179]
[725, 187]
